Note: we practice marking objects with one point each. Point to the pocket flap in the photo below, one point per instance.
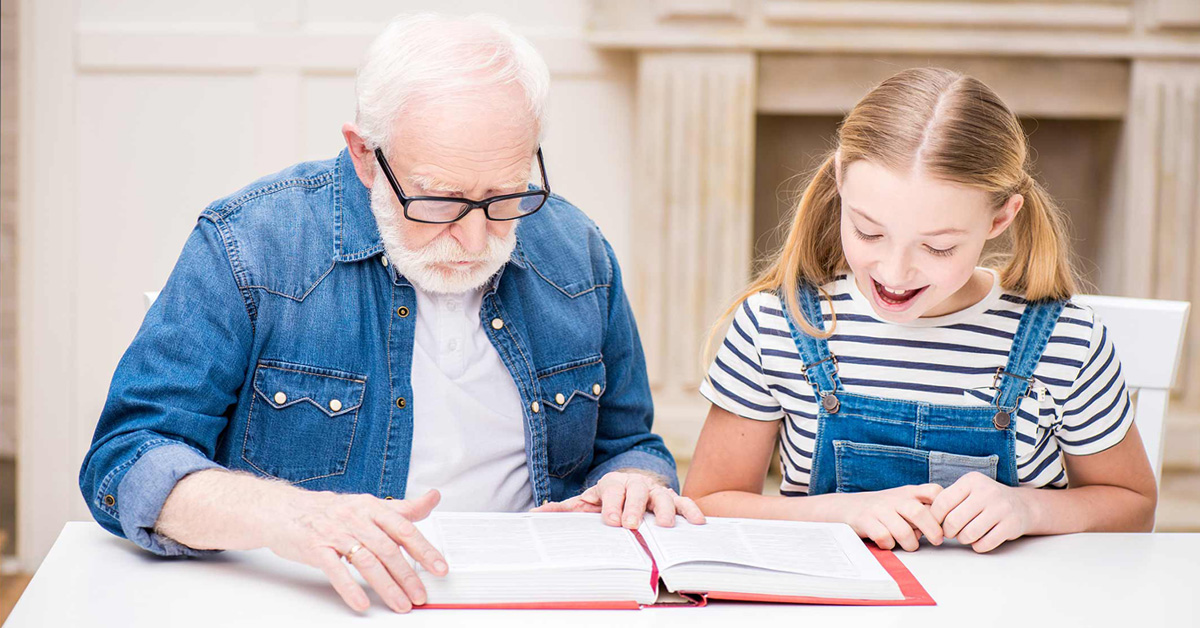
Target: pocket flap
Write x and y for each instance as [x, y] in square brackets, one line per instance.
[571, 381]
[281, 384]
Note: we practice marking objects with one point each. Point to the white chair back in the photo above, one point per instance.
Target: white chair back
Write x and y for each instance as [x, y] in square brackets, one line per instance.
[1148, 336]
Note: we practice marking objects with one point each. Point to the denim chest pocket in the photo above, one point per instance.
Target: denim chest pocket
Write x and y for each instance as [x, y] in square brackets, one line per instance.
[571, 394]
[301, 421]
[863, 467]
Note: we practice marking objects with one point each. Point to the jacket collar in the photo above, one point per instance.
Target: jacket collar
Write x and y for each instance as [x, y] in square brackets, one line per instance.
[355, 233]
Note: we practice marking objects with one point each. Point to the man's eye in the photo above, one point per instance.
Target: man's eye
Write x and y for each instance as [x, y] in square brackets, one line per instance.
[866, 237]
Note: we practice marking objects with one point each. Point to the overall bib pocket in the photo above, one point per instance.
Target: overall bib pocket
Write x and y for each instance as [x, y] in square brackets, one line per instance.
[862, 467]
[302, 420]
[570, 395]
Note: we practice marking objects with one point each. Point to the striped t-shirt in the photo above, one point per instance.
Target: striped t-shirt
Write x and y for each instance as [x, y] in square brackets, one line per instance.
[1082, 406]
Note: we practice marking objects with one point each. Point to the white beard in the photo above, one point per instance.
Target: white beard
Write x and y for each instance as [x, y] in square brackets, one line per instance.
[425, 267]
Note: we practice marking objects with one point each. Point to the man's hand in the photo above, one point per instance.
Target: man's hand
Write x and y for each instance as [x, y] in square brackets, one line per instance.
[981, 512]
[319, 529]
[624, 497]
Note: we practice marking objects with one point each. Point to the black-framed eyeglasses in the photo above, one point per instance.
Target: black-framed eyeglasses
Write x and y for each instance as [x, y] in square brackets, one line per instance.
[447, 209]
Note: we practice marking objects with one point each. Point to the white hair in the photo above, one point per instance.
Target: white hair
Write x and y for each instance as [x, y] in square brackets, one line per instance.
[428, 57]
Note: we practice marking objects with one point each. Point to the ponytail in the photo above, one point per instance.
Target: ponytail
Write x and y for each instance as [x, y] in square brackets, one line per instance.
[1039, 261]
[812, 252]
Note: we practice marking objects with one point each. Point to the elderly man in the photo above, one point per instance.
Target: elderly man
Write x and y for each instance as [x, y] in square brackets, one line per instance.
[342, 338]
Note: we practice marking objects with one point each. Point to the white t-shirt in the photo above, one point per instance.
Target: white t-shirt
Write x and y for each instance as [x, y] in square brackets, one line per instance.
[1084, 407]
[468, 425]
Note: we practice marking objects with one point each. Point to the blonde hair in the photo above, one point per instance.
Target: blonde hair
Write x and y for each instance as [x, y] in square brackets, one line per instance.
[954, 128]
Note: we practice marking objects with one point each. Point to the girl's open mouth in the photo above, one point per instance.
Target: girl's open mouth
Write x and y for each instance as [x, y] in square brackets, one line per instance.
[895, 299]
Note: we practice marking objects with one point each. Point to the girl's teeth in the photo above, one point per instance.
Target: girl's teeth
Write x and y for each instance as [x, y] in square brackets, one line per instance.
[895, 296]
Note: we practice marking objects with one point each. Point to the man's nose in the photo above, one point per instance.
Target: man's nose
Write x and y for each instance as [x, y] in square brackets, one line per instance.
[471, 232]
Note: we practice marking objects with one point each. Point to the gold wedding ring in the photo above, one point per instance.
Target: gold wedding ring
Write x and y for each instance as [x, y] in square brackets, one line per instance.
[350, 555]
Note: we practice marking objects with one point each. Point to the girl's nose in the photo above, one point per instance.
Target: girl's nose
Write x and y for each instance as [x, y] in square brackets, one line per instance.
[896, 270]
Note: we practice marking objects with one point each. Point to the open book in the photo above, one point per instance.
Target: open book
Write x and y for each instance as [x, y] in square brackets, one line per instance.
[568, 560]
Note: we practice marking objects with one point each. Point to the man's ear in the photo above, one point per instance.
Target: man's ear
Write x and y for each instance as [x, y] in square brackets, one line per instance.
[1006, 215]
[362, 156]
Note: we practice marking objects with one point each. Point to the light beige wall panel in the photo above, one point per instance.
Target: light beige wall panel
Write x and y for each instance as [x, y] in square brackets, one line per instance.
[589, 153]
[141, 12]
[326, 102]
[523, 14]
[153, 152]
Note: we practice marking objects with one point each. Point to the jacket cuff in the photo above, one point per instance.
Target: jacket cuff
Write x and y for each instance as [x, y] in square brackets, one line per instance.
[636, 459]
[144, 489]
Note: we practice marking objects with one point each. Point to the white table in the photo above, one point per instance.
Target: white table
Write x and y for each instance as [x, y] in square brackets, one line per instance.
[91, 578]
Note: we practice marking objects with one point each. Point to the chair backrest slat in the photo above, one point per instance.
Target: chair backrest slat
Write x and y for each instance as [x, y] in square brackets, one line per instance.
[1148, 337]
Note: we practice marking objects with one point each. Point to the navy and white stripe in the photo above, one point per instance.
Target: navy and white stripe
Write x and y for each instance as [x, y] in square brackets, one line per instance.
[1084, 409]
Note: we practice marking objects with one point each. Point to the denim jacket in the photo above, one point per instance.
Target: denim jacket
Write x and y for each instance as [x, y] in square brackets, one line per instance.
[282, 342]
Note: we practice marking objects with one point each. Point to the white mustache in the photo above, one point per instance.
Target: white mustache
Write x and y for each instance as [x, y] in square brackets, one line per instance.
[419, 265]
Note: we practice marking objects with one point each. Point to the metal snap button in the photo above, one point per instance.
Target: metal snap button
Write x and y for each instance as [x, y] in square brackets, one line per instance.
[497, 323]
[335, 405]
[595, 389]
[110, 501]
[560, 399]
[536, 407]
[400, 402]
[402, 312]
[831, 403]
[383, 260]
[280, 398]
[1001, 420]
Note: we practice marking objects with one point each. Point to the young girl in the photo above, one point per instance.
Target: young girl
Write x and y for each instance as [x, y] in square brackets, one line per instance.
[912, 392]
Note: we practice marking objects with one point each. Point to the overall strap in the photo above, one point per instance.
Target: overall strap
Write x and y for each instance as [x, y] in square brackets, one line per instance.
[1033, 332]
[820, 366]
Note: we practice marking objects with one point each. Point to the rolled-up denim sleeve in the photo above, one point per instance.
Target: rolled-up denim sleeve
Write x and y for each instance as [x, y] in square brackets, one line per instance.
[144, 490]
[623, 434]
[171, 392]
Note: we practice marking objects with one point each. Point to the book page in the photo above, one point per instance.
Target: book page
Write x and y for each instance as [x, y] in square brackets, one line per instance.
[830, 550]
[525, 541]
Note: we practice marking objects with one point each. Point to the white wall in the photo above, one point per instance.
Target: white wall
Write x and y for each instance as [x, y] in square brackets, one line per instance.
[137, 113]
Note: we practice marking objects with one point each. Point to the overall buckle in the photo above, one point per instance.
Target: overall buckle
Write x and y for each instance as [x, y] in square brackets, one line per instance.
[1003, 417]
[829, 400]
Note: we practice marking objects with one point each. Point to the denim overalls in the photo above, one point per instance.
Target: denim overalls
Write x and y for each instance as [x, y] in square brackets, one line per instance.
[868, 443]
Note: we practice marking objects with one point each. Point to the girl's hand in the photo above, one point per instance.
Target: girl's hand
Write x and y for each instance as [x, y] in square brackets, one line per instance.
[894, 516]
[981, 512]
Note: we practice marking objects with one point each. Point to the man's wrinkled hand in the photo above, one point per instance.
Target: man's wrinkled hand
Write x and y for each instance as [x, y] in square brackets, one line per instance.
[623, 498]
[372, 534]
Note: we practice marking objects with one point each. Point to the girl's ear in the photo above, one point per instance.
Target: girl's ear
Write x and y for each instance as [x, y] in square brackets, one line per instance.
[1006, 215]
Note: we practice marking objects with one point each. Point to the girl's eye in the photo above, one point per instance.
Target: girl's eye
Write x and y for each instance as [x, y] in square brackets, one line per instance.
[865, 237]
[941, 252]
